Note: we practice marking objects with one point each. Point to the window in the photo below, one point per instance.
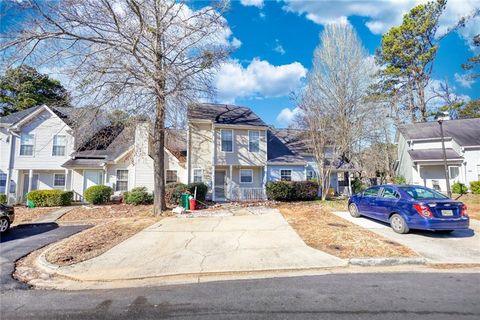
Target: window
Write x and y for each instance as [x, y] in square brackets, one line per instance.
[454, 172]
[390, 193]
[26, 144]
[286, 175]
[371, 192]
[58, 180]
[246, 175]
[122, 180]
[59, 142]
[254, 141]
[420, 193]
[310, 175]
[171, 176]
[3, 182]
[227, 140]
[197, 175]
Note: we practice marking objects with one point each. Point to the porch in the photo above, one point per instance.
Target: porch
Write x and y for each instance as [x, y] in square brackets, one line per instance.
[432, 175]
[27, 180]
[239, 183]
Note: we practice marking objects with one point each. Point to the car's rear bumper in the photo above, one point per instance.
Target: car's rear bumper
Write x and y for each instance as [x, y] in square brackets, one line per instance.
[441, 224]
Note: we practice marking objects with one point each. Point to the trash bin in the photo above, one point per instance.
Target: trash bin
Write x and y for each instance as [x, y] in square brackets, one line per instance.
[185, 197]
[193, 203]
[30, 204]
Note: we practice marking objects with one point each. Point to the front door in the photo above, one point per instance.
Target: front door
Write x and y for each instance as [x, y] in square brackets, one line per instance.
[220, 176]
[92, 178]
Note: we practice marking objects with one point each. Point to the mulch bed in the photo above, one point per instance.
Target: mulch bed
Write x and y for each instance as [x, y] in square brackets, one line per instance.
[27, 215]
[92, 214]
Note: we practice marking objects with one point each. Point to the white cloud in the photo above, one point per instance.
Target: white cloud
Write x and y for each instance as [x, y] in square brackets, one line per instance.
[278, 47]
[464, 80]
[287, 115]
[383, 14]
[259, 79]
[254, 3]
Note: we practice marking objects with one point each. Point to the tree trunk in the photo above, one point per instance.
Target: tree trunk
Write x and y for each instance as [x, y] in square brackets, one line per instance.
[159, 157]
[421, 102]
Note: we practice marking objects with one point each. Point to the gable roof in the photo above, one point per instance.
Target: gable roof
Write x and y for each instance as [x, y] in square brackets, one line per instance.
[466, 132]
[224, 114]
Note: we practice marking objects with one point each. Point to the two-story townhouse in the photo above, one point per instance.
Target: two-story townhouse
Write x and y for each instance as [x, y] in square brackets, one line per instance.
[420, 153]
[74, 148]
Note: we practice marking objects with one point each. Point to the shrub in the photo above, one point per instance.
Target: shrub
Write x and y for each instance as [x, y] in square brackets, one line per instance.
[3, 199]
[475, 187]
[98, 194]
[459, 188]
[50, 198]
[173, 192]
[279, 190]
[304, 190]
[399, 180]
[202, 190]
[137, 196]
[358, 186]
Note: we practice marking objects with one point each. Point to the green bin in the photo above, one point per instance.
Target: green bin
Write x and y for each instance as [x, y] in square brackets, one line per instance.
[30, 204]
[185, 201]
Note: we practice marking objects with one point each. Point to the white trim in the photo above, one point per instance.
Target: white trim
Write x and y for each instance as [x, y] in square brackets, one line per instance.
[258, 141]
[201, 175]
[233, 140]
[240, 176]
[117, 159]
[116, 179]
[65, 180]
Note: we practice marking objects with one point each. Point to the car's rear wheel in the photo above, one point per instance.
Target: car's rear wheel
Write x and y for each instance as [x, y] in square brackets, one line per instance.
[398, 224]
[4, 224]
[352, 208]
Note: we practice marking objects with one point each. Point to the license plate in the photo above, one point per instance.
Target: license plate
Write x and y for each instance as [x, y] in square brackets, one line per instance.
[447, 213]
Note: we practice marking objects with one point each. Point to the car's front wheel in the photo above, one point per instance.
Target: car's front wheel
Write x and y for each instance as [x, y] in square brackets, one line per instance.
[4, 224]
[398, 224]
[352, 208]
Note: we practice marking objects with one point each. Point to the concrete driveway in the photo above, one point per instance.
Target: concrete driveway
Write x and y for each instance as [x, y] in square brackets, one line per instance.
[261, 241]
[461, 246]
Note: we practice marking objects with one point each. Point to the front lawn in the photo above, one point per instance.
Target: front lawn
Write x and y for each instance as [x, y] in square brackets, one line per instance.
[473, 204]
[321, 229]
[96, 214]
[28, 215]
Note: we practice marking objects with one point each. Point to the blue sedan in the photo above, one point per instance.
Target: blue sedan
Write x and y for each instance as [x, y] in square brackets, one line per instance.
[408, 207]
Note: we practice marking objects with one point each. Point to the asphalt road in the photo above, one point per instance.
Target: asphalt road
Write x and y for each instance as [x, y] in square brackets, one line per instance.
[349, 296]
[23, 239]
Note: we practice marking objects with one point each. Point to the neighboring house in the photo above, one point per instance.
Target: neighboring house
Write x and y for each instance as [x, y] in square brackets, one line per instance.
[420, 154]
[229, 148]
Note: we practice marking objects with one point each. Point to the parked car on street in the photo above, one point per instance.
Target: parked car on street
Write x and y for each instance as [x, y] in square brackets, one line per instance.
[7, 215]
[408, 207]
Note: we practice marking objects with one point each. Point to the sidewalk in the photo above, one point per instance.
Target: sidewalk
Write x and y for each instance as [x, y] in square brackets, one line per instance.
[53, 216]
[204, 245]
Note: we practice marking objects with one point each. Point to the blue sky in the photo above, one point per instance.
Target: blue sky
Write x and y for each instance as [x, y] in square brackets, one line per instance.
[278, 39]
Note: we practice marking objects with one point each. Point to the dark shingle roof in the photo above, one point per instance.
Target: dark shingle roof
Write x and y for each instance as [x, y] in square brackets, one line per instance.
[84, 163]
[279, 152]
[17, 116]
[466, 132]
[224, 114]
[296, 140]
[433, 154]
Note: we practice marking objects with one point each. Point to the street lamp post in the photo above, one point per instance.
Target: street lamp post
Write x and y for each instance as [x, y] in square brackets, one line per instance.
[440, 117]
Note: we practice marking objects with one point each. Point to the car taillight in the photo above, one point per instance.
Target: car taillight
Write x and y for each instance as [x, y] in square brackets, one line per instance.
[423, 210]
[464, 211]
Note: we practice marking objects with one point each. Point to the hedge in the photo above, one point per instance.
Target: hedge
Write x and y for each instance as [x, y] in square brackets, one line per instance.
[459, 188]
[98, 194]
[173, 192]
[475, 187]
[50, 198]
[3, 199]
[202, 190]
[137, 196]
[292, 190]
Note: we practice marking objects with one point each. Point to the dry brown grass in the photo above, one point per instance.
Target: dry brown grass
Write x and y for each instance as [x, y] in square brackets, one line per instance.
[99, 214]
[28, 215]
[95, 241]
[473, 204]
[321, 229]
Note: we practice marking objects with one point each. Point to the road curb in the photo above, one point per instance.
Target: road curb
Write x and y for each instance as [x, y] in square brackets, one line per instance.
[386, 261]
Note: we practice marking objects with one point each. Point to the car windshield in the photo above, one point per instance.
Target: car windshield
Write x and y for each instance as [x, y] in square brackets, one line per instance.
[419, 193]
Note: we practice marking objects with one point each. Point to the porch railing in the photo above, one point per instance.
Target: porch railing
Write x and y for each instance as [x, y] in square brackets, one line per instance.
[248, 194]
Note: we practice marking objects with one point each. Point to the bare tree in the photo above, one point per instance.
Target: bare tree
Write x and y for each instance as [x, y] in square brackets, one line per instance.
[334, 107]
[143, 56]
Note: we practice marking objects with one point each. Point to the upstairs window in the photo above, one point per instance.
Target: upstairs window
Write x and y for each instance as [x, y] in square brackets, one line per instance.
[122, 180]
[26, 144]
[227, 140]
[197, 175]
[286, 175]
[246, 175]
[59, 142]
[254, 141]
[171, 176]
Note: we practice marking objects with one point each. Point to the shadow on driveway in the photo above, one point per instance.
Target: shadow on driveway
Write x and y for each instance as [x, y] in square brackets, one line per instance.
[27, 230]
